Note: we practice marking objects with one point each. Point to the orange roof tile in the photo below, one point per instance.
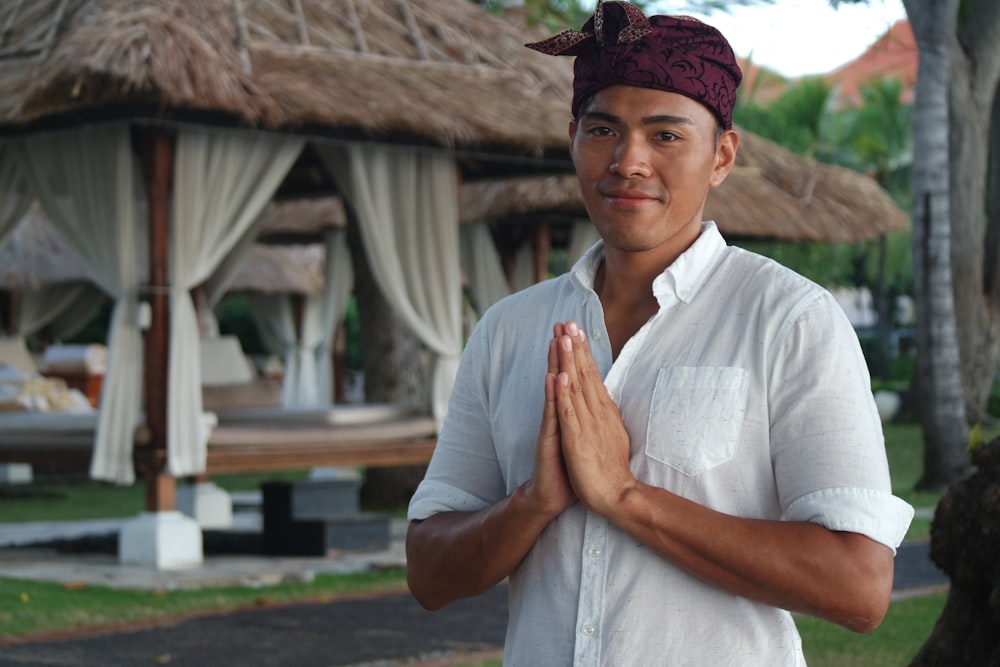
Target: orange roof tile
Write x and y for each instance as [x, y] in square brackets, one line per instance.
[894, 54]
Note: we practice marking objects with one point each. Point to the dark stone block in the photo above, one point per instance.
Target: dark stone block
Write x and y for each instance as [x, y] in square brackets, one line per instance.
[312, 499]
[326, 537]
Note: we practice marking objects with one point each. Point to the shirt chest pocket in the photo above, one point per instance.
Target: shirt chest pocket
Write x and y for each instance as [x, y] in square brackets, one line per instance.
[695, 416]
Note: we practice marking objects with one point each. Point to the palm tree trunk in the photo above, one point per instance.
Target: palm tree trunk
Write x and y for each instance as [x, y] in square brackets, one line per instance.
[941, 398]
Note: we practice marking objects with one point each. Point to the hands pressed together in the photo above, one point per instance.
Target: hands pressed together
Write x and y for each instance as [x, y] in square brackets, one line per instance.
[583, 447]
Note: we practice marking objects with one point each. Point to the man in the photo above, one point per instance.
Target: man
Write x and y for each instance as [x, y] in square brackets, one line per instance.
[674, 446]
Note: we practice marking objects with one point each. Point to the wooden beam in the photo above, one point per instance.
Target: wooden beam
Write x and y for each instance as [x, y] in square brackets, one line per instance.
[157, 149]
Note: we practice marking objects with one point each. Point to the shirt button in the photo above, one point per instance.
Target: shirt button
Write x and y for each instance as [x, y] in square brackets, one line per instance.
[595, 552]
[588, 629]
[597, 335]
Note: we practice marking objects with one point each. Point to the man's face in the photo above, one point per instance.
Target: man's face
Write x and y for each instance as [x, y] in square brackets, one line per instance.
[645, 160]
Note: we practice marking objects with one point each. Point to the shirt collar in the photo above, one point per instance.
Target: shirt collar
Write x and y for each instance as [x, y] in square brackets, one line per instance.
[680, 280]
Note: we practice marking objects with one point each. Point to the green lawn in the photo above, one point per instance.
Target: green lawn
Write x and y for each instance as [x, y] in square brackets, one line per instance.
[32, 607]
[27, 607]
[87, 499]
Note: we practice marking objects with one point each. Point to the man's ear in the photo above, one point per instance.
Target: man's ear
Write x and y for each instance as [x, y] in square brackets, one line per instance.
[725, 156]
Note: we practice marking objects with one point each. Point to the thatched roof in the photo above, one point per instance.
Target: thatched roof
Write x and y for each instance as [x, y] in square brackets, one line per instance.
[442, 71]
[445, 71]
[281, 269]
[771, 194]
[302, 218]
[36, 255]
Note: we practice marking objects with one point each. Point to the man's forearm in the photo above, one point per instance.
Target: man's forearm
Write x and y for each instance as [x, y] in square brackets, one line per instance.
[454, 555]
[844, 578]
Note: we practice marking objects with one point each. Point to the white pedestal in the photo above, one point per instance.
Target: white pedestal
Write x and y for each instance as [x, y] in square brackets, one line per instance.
[165, 540]
[15, 473]
[327, 473]
[206, 503]
[888, 404]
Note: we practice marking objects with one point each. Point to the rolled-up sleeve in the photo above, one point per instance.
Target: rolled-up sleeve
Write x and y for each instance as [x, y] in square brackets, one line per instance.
[880, 516]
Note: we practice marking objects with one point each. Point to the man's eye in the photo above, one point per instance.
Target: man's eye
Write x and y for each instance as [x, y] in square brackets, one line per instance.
[666, 136]
[600, 131]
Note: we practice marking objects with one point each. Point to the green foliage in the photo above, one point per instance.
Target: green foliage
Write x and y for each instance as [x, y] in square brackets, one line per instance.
[829, 264]
[993, 403]
[561, 14]
[233, 314]
[796, 120]
[353, 359]
[873, 138]
[96, 330]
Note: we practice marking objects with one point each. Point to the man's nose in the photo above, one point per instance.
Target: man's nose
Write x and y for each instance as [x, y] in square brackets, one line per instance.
[631, 159]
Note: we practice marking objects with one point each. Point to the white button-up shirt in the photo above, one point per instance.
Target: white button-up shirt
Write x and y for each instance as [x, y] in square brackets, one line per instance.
[747, 392]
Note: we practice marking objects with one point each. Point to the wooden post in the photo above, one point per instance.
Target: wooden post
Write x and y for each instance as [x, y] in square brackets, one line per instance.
[11, 317]
[541, 244]
[157, 146]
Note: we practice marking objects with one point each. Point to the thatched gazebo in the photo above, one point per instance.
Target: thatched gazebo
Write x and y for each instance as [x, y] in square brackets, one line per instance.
[771, 195]
[162, 128]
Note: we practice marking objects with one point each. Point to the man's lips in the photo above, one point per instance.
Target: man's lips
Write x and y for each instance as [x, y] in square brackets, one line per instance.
[629, 197]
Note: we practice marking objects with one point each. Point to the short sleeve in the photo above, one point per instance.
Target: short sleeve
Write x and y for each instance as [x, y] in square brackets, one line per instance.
[827, 445]
[464, 474]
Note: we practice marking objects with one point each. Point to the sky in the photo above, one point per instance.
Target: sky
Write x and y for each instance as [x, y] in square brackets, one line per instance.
[800, 37]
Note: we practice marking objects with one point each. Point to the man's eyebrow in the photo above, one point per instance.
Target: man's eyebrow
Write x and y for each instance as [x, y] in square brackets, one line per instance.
[648, 120]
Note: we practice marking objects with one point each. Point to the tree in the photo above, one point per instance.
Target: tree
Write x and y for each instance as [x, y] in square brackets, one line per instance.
[877, 139]
[972, 81]
[873, 138]
[396, 368]
[940, 393]
[559, 14]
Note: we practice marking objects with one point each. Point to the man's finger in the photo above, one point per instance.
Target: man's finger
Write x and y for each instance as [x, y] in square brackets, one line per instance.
[588, 376]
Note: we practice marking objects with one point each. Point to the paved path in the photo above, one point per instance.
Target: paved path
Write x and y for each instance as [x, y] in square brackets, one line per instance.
[376, 631]
[371, 631]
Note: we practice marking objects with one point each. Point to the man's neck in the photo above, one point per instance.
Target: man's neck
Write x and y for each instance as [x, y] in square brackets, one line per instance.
[626, 294]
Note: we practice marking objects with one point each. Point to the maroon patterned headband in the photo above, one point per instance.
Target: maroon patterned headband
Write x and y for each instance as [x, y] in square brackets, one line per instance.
[619, 45]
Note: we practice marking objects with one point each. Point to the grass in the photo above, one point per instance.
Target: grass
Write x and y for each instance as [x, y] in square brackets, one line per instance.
[39, 607]
[30, 607]
[894, 644]
[89, 499]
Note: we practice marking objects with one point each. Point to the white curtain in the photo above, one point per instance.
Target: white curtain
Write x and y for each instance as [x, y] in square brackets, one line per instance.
[222, 181]
[308, 361]
[63, 308]
[272, 313]
[322, 315]
[15, 196]
[482, 266]
[583, 235]
[407, 207]
[85, 182]
[524, 266]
